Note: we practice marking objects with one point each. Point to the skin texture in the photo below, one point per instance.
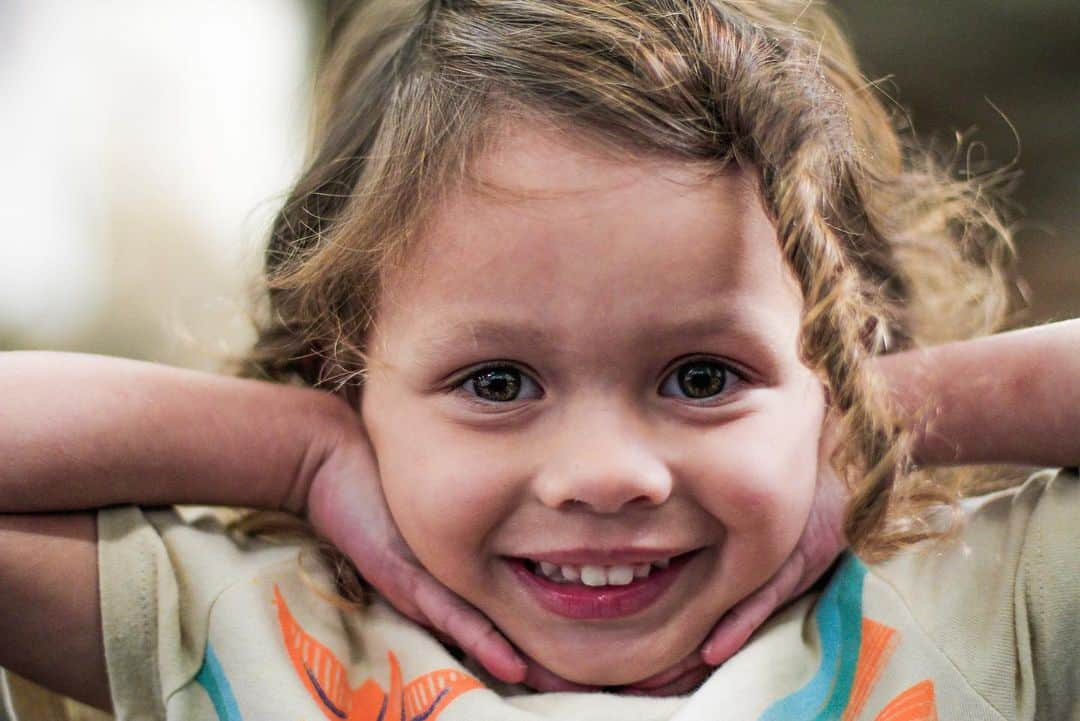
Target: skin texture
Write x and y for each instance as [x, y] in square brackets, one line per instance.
[596, 278]
[1010, 398]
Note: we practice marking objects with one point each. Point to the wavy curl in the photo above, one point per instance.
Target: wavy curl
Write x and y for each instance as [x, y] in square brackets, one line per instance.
[893, 249]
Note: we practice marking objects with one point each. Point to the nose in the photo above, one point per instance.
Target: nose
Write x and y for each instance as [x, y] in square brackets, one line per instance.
[604, 463]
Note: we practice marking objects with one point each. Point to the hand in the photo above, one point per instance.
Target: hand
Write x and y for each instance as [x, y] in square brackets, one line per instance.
[346, 505]
[821, 542]
[681, 678]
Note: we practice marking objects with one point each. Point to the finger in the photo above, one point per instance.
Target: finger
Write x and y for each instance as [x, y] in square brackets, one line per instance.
[423, 599]
[396, 581]
[665, 677]
[682, 684]
[469, 628]
[539, 678]
[737, 625]
[732, 632]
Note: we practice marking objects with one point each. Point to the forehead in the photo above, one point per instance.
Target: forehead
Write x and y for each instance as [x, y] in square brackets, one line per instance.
[552, 227]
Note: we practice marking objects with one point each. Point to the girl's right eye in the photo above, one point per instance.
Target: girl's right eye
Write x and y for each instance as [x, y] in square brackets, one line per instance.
[500, 384]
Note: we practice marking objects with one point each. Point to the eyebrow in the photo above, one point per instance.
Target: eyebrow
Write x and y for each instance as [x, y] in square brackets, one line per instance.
[477, 333]
[741, 324]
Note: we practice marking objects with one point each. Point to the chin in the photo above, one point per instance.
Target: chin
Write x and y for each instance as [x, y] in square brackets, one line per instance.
[611, 663]
[604, 674]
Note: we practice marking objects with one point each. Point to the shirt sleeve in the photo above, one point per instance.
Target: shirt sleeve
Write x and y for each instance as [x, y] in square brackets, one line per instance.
[137, 588]
[159, 576]
[1000, 598]
[1048, 589]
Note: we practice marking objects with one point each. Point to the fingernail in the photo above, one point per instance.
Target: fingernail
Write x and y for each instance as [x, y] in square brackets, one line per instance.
[707, 654]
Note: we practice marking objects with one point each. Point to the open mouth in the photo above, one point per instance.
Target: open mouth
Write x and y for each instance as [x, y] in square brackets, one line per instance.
[595, 576]
[599, 592]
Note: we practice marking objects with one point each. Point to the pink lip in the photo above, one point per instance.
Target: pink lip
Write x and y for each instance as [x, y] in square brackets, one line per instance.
[602, 602]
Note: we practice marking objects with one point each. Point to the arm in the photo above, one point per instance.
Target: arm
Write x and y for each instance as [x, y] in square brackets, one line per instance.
[1007, 398]
[81, 432]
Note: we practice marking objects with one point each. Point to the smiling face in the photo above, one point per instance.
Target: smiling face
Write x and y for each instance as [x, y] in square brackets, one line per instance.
[592, 372]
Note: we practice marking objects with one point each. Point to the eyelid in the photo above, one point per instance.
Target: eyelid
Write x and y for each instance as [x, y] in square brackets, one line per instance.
[737, 368]
[458, 377]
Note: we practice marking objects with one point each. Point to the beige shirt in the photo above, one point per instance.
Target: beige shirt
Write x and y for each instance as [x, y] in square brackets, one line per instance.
[986, 627]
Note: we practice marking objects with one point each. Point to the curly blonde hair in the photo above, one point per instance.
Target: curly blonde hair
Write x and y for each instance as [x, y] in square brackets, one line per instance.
[891, 248]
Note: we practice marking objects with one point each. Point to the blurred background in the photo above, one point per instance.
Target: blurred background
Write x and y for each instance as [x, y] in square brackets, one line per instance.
[146, 144]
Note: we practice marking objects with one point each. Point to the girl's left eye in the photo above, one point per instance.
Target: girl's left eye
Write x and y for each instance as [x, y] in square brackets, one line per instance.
[698, 380]
[500, 384]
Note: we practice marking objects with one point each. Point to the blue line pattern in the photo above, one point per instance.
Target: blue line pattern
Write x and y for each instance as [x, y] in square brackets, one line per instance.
[839, 622]
[212, 678]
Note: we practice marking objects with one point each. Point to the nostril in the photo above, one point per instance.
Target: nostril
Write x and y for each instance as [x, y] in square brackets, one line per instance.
[606, 485]
[606, 506]
[643, 500]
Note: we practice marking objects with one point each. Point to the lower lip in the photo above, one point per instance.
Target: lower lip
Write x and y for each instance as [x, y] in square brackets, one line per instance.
[581, 602]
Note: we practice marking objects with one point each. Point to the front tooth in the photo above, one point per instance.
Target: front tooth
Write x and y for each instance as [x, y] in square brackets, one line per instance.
[593, 575]
[571, 573]
[664, 563]
[641, 570]
[548, 568]
[620, 575]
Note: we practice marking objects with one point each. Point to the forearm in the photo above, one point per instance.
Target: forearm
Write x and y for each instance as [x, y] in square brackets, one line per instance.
[79, 432]
[1009, 398]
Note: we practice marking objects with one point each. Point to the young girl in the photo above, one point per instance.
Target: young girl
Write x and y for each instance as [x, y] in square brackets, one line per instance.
[626, 301]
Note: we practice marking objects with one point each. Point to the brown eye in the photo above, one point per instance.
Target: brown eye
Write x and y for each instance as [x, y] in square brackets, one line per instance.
[696, 380]
[501, 384]
[497, 384]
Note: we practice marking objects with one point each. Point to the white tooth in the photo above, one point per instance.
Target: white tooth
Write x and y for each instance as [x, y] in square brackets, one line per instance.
[641, 570]
[663, 563]
[620, 575]
[571, 573]
[553, 572]
[593, 575]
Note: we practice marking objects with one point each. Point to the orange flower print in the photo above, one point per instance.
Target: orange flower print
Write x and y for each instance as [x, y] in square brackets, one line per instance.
[915, 704]
[325, 678]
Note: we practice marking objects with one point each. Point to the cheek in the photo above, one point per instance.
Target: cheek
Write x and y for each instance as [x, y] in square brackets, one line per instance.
[446, 494]
[757, 476]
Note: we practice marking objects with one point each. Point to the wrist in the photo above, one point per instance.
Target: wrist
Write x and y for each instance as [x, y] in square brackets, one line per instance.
[326, 423]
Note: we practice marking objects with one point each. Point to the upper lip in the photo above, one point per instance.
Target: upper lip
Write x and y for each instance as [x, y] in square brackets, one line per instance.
[603, 557]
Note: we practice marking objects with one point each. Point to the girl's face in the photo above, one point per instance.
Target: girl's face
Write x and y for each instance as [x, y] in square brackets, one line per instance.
[587, 404]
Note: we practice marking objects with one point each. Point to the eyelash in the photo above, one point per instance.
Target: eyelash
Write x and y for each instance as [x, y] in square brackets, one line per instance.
[730, 374]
